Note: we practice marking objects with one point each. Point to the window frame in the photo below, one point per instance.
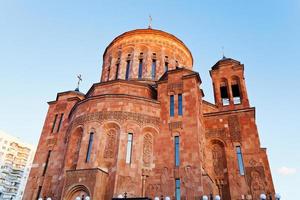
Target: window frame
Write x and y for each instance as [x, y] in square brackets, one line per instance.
[90, 146]
[177, 150]
[240, 160]
[60, 122]
[47, 162]
[117, 70]
[140, 70]
[54, 123]
[153, 69]
[177, 189]
[172, 105]
[128, 157]
[180, 103]
[128, 63]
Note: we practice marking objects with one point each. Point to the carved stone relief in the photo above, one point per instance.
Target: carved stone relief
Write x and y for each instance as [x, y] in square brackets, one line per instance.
[60, 107]
[110, 145]
[165, 181]
[256, 180]
[175, 125]
[257, 184]
[152, 190]
[127, 184]
[175, 87]
[218, 160]
[234, 127]
[147, 149]
[120, 116]
[189, 182]
[51, 142]
[216, 133]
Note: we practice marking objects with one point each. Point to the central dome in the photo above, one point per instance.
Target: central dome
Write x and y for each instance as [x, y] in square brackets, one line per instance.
[145, 55]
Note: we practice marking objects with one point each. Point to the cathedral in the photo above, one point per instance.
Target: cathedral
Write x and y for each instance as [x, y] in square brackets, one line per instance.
[144, 131]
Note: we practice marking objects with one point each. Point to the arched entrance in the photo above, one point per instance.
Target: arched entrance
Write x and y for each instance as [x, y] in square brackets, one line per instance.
[75, 191]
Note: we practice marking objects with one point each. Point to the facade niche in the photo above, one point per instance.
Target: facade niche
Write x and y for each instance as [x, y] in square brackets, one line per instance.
[74, 149]
[220, 168]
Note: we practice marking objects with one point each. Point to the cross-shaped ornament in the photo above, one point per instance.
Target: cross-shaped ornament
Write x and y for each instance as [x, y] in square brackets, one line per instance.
[78, 83]
[150, 22]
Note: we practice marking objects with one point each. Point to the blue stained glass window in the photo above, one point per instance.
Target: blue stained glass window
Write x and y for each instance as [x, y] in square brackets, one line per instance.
[172, 105]
[179, 104]
[240, 160]
[176, 151]
[177, 189]
[89, 150]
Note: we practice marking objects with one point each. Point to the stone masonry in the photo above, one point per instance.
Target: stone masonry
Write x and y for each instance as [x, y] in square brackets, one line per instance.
[145, 129]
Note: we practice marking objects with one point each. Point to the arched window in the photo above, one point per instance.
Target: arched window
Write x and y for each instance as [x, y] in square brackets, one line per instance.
[140, 73]
[166, 63]
[117, 68]
[224, 92]
[235, 88]
[89, 150]
[109, 66]
[129, 148]
[128, 67]
[153, 68]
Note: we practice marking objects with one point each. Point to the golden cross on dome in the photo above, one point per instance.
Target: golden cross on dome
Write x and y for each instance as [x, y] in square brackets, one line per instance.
[150, 22]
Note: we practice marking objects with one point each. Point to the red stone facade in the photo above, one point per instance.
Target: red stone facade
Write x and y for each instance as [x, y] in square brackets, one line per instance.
[145, 126]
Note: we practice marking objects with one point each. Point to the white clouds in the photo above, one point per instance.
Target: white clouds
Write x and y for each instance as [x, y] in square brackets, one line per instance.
[286, 171]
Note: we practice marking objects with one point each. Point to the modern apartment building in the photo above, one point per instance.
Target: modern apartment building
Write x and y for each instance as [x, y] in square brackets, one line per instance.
[15, 161]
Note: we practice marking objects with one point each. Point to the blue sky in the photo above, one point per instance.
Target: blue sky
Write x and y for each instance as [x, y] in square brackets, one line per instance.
[43, 45]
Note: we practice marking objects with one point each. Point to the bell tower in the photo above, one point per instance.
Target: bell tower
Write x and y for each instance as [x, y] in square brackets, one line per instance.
[229, 84]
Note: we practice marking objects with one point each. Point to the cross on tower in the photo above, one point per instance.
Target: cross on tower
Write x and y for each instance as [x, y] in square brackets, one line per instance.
[150, 22]
[78, 83]
[223, 54]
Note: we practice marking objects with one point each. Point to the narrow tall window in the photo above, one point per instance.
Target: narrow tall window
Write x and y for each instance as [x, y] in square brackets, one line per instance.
[166, 66]
[236, 94]
[240, 160]
[179, 104]
[153, 70]
[89, 150]
[129, 148]
[54, 122]
[172, 105]
[176, 144]
[60, 122]
[47, 161]
[108, 73]
[39, 193]
[127, 70]
[108, 70]
[177, 189]
[224, 95]
[140, 69]
[117, 70]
